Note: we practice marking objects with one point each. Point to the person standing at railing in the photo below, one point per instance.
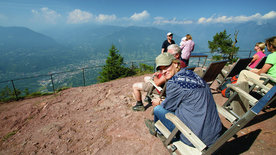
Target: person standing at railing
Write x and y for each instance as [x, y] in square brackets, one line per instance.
[187, 45]
[260, 49]
[167, 42]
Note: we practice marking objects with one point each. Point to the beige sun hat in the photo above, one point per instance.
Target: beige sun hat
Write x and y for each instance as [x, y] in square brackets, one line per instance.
[164, 59]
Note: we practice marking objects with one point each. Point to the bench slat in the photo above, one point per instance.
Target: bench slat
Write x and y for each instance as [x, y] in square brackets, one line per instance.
[226, 114]
[185, 149]
[161, 127]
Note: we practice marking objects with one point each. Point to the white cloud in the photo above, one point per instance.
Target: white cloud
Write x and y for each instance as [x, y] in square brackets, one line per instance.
[105, 18]
[46, 14]
[221, 19]
[140, 16]
[79, 16]
[161, 20]
[238, 19]
[270, 15]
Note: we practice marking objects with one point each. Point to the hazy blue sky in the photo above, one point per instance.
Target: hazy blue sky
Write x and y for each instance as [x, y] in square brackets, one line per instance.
[48, 13]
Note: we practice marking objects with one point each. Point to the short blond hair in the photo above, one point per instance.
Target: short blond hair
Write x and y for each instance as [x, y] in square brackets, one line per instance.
[188, 37]
[261, 45]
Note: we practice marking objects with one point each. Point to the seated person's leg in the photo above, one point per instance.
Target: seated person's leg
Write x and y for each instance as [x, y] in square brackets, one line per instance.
[147, 78]
[137, 88]
[244, 74]
[240, 105]
[159, 114]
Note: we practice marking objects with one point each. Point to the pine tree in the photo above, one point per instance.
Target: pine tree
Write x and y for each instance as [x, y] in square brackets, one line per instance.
[114, 67]
[223, 46]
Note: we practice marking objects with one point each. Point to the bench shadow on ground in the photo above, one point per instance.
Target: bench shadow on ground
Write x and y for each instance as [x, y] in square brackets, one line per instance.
[267, 112]
[242, 144]
[239, 145]
[261, 117]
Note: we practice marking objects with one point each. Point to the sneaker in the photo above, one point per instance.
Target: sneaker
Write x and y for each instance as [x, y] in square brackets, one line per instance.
[150, 125]
[147, 99]
[138, 107]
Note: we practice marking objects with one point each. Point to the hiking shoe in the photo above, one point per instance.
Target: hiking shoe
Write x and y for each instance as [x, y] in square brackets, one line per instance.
[147, 99]
[138, 107]
[150, 125]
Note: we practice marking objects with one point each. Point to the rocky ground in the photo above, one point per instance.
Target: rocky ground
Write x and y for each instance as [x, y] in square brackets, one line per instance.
[98, 119]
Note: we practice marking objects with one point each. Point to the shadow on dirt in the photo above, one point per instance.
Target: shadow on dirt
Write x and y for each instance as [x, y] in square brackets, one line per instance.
[239, 145]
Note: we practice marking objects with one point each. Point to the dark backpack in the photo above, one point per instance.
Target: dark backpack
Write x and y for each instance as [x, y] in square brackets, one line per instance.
[223, 88]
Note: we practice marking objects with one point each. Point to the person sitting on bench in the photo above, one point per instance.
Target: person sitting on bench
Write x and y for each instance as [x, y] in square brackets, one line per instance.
[189, 97]
[158, 79]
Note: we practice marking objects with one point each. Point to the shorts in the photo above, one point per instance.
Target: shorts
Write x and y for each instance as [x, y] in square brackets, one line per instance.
[148, 86]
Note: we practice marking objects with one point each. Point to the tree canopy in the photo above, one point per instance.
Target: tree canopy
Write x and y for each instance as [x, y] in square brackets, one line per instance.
[224, 47]
[114, 67]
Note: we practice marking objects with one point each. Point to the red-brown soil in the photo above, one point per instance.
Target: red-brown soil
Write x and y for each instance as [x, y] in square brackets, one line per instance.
[98, 119]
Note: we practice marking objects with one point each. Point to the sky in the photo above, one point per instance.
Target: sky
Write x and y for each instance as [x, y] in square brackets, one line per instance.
[39, 14]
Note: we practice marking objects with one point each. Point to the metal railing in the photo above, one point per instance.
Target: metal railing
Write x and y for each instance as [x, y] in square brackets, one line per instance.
[51, 77]
[54, 86]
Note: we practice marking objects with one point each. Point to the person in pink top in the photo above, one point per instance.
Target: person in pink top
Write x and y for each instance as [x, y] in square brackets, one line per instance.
[187, 46]
[260, 49]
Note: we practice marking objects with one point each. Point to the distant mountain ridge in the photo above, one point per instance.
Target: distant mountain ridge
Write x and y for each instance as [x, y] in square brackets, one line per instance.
[24, 50]
[22, 37]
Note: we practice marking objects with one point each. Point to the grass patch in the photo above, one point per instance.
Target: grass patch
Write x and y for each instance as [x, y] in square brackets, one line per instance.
[7, 136]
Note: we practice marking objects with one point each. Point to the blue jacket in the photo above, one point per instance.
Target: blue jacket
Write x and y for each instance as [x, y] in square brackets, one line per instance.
[190, 98]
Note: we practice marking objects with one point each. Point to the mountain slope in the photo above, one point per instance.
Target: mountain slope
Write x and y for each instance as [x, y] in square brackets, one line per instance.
[23, 51]
[22, 37]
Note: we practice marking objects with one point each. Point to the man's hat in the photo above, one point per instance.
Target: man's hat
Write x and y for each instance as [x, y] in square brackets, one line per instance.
[164, 59]
[168, 34]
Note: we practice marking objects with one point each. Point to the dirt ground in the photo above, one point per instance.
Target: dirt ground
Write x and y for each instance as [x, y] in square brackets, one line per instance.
[98, 119]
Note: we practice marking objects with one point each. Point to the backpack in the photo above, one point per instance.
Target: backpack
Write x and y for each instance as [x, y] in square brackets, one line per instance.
[225, 91]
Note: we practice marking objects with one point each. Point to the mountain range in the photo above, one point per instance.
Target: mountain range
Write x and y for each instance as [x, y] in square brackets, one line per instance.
[24, 50]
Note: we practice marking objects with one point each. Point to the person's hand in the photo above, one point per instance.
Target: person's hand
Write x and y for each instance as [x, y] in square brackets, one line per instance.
[255, 70]
[156, 73]
[156, 101]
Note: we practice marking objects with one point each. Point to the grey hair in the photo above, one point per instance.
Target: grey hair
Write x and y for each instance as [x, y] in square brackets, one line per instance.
[175, 49]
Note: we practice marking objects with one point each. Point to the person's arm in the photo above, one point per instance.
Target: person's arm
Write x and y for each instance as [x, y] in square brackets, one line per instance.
[255, 57]
[163, 46]
[159, 81]
[181, 44]
[264, 69]
[193, 46]
[156, 101]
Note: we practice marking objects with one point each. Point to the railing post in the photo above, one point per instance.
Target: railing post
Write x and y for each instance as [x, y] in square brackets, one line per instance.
[83, 77]
[52, 83]
[198, 61]
[249, 54]
[15, 93]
